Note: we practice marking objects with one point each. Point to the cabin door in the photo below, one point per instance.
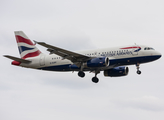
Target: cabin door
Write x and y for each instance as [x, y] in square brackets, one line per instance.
[42, 60]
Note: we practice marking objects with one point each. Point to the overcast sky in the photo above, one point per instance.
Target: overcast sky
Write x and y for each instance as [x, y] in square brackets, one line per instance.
[27, 94]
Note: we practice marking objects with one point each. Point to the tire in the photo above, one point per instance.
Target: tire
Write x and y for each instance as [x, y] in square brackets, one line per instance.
[81, 74]
[95, 80]
[138, 72]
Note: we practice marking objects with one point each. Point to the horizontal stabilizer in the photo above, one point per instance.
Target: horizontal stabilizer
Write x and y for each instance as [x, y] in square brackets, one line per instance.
[17, 59]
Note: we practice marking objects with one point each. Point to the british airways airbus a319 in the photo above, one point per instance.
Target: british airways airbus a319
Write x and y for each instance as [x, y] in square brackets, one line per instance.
[112, 61]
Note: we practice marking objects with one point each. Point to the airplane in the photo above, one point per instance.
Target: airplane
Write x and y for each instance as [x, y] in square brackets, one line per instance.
[112, 61]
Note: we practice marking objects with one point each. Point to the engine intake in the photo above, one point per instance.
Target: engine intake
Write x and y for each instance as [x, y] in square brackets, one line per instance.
[97, 62]
[117, 72]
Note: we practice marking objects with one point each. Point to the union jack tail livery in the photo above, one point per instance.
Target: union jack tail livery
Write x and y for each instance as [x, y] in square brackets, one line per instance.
[25, 45]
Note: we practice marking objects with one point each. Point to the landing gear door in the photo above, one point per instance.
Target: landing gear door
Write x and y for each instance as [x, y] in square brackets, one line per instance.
[42, 60]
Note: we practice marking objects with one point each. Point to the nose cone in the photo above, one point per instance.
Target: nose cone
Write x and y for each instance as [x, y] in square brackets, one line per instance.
[154, 56]
[158, 55]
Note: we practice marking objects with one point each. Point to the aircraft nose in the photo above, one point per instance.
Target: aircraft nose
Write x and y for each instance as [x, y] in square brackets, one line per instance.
[159, 55]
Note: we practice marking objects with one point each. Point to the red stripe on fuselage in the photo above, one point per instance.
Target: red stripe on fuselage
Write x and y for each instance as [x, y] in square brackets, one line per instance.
[33, 54]
[24, 40]
[130, 47]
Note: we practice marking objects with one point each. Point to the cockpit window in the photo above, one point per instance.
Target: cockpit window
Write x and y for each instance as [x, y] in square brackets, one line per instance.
[148, 48]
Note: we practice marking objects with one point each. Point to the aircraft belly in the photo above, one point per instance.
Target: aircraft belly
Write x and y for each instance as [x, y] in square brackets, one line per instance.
[68, 66]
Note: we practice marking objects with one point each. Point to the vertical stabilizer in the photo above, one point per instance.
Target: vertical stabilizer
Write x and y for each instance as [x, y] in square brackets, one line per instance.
[25, 45]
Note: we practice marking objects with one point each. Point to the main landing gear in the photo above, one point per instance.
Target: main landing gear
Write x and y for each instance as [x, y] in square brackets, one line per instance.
[138, 71]
[94, 79]
[81, 74]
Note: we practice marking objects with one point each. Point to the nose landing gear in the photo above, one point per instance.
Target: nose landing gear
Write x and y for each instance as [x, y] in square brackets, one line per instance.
[138, 71]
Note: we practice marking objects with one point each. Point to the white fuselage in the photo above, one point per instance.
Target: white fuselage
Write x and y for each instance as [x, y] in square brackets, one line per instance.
[118, 56]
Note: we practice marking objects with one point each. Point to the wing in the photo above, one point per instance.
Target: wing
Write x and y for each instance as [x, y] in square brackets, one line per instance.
[74, 57]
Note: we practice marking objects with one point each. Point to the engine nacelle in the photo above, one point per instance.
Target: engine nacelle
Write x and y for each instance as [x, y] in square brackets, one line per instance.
[117, 72]
[97, 62]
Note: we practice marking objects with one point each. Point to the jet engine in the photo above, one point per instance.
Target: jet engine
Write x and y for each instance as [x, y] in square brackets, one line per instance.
[97, 62]
[116, 72]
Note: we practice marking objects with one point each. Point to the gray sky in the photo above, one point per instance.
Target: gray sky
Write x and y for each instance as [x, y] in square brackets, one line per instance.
[77, 25]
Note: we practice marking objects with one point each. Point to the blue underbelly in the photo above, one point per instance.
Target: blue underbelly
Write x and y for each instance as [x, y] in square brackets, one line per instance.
[117, 62]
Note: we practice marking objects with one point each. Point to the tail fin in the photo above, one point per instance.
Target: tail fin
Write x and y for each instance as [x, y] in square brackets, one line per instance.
[25, 45]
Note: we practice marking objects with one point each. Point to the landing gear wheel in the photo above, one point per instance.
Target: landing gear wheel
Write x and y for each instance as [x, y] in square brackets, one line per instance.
[95, 80]
[138, 72]
[81, 74]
